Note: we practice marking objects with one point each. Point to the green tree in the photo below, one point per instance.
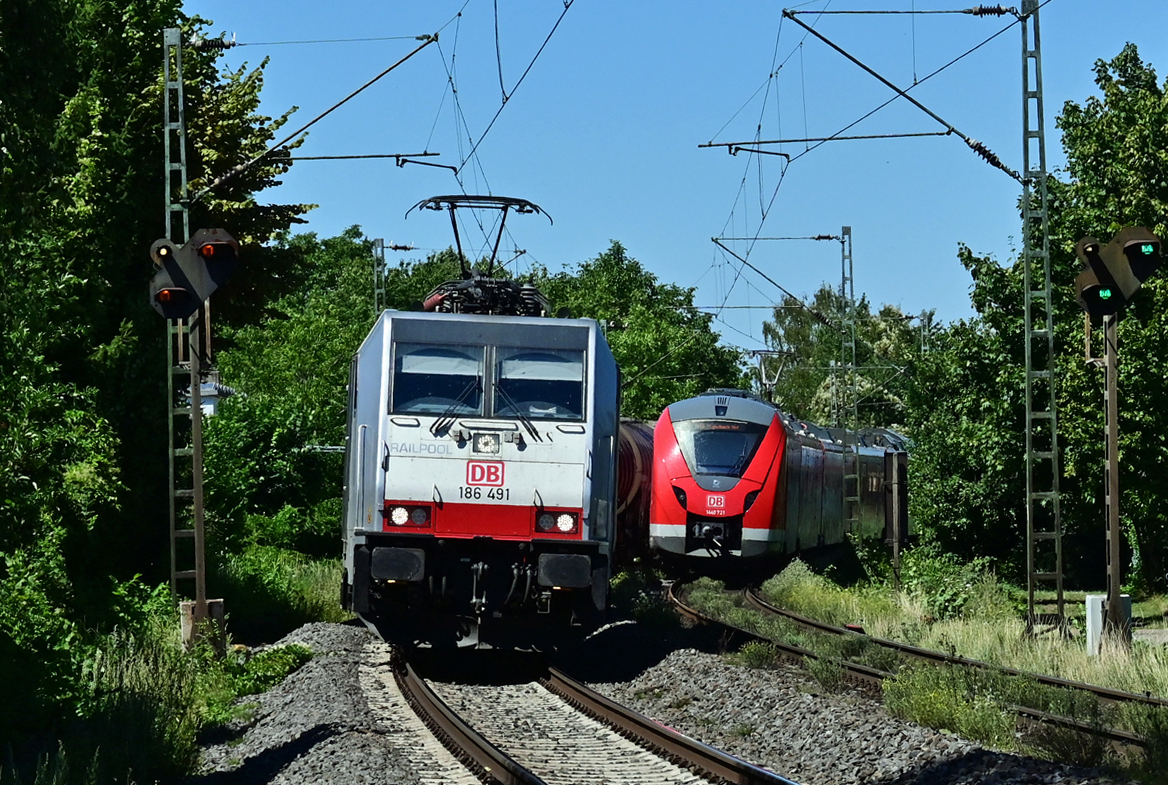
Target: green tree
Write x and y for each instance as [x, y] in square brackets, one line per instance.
[666, 349]
[290, 371]
[810, 338]
[82, 374]
[967, 407]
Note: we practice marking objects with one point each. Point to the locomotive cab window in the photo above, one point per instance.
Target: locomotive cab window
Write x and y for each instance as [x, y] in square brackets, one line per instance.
[431, 379]
[718, 447]
[542, 384]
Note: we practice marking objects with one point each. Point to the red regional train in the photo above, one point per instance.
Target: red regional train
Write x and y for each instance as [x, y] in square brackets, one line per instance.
[734, 476]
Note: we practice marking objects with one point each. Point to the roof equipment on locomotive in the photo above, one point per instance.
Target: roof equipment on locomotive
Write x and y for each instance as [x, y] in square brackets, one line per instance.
[480, 465]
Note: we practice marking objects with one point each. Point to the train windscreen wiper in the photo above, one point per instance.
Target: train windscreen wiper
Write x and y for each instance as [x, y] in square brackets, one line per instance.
[523, 418]
[740, 463]
[446, 419]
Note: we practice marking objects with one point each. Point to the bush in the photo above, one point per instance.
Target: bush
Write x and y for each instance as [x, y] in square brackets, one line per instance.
[950, 589]
[314, 533]
[637, 592]
[831, 674]
[758, 655]
[281, 588]
[797, 588]
[955, 699]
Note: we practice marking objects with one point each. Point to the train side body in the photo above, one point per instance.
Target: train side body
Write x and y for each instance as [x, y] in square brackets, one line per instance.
[733, 476]
[480, 477]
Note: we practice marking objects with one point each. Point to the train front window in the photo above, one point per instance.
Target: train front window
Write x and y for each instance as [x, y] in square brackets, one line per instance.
[719, 447]
[542, 384]
[430, 379]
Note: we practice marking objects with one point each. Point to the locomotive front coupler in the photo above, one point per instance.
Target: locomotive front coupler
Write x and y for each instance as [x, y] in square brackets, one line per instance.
[478, 600]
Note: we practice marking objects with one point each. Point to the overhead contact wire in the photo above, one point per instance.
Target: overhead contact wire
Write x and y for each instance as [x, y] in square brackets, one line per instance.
[979, 148]
[428, 39]
[490, 125]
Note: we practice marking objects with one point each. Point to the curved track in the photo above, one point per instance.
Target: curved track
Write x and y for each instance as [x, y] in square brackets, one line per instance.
[555, 730]
[1105, 694]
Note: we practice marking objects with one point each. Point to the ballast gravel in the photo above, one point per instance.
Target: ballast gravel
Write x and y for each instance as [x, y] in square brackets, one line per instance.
[317, 726]
[783, 720]
[314, 727]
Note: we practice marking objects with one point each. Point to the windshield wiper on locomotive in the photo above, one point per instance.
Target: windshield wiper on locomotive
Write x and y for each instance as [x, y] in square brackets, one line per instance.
[447, 418]
[523, 418]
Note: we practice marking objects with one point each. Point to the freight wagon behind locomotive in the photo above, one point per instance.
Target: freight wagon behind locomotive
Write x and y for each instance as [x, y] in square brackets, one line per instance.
[736, 478]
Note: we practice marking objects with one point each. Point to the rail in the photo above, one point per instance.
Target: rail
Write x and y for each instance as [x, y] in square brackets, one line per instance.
[665, 741]
[487, 761]
[1103, 693]
[866, 676]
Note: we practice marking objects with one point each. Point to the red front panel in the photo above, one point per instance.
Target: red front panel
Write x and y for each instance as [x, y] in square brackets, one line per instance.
[500, 522]
[670, 470]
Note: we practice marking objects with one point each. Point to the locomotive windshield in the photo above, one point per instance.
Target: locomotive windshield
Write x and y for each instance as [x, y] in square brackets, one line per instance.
[540, 384]
[718, 447]
[435, 379]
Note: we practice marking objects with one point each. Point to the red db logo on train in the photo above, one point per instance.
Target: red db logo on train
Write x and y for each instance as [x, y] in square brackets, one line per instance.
[715, 501]
[484, 473]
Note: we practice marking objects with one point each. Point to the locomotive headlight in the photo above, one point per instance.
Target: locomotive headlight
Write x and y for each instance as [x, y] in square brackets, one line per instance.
[420, 516]
[566, 522]
[680, 494]
[748, 502]
[486, 442]
[399, 515]
[546, 522]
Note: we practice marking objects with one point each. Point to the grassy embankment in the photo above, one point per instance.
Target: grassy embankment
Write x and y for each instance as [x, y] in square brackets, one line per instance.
[978, 617]
[142, 700]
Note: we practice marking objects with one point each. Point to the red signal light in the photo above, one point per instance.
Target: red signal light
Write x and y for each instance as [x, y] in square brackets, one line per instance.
[172, 296]
[207, 249]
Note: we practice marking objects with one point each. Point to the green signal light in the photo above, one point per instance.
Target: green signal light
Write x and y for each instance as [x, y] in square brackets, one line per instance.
[1104, 294]
[1147, 249]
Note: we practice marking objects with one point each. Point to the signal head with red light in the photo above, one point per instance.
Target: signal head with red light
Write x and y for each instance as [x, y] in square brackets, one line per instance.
[189, 274]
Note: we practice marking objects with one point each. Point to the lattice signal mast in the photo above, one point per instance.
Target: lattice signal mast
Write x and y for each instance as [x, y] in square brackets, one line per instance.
[1043, 519]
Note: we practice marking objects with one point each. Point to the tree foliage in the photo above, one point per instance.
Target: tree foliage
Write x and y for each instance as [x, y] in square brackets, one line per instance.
[967, 410]
[810, 341]
[82, 369]
[666, 349]
[290, 369]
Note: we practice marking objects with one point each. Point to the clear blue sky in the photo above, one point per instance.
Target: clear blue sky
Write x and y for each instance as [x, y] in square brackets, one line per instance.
[604, 131]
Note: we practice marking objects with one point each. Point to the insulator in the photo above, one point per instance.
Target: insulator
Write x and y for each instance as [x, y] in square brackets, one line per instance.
[990, 10]
[210, 43]
[984, 152]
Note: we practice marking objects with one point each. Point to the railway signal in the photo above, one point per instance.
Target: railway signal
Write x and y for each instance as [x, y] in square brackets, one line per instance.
[189, 274]
[1113, 273]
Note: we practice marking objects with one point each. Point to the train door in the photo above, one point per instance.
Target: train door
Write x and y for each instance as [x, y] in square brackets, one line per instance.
[812, 493]
[833, 492]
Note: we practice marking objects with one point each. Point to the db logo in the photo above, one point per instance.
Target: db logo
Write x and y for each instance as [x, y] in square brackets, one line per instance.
[715, 501]
[484, 473]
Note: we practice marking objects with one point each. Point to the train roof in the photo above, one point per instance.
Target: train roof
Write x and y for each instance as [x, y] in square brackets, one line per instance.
[732, 404]
[745, 406]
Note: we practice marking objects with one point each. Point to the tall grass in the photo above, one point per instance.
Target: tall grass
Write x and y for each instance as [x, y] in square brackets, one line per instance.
[282, 588]
[986, 626]
[137, 719]
[143, 698]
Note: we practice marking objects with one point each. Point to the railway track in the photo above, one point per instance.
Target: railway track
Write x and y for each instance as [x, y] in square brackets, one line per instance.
[1104, 694]
[871, 678]
[555, 730]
